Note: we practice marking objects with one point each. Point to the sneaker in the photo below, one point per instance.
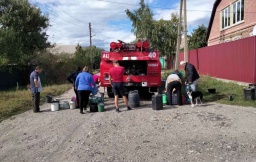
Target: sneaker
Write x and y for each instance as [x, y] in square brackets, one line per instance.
[129, 108]
[117, 110]
[81, 112]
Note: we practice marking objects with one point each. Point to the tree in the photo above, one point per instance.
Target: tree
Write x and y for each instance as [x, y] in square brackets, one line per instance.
[164, 35]
[82, 56]
[22, 31]
[142, 21]
[198, 38]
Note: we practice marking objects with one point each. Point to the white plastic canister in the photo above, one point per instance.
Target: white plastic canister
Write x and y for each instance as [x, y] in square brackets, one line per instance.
[54, 106]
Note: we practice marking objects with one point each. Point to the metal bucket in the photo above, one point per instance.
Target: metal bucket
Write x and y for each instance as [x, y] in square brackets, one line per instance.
[64, 105]
[72, 104]
[55, 106]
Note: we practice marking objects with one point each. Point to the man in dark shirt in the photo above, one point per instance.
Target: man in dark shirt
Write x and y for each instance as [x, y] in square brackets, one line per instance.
[191, 74]
[116, 80]
[72, 78]
[36, 88]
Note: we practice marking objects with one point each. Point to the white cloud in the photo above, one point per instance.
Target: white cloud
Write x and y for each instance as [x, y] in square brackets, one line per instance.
[198, 12]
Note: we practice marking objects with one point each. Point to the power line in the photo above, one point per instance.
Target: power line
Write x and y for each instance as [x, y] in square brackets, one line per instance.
[51, 12]
[68, 14]
[149, 5]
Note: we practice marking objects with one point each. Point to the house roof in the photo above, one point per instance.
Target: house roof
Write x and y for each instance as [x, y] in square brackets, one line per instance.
[215, 5]
[60, 49]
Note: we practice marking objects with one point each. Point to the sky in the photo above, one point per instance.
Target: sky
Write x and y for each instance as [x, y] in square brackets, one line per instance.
[69, 19]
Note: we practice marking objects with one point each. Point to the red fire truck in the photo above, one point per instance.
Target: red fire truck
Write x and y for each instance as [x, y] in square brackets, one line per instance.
[142, 67]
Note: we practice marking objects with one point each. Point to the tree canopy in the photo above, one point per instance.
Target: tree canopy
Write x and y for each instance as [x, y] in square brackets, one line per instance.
[83, 56]
[22, 31]
[198, 38]
[162, 34]
[142, 21]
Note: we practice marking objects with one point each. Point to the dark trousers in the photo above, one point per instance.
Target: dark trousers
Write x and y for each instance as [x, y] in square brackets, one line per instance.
[36, 101]
[170, 87]
[83, 98]
[77, 97]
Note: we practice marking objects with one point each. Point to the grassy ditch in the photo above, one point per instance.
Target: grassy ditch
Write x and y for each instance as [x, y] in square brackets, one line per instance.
[18, 101]
[223, 91]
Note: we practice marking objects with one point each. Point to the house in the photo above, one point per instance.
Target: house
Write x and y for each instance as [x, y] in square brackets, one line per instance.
[63, 49]
[231, 20]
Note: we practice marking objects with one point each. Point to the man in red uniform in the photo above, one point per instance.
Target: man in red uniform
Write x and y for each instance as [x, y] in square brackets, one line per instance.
[116, 80]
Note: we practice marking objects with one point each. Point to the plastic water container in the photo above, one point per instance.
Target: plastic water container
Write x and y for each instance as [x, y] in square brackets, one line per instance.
[55, 106]
[72, 104]
[157, 103]
[174, 99]
[164, 98]
[249, 93]
[93, 107]
[134, 99]
[100, 107]
[48, 99]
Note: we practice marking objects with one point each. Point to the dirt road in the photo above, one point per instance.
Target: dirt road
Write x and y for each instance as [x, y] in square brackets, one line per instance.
[210, 133]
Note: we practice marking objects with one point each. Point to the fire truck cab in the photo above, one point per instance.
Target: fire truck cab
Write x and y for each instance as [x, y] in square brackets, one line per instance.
[142, 67]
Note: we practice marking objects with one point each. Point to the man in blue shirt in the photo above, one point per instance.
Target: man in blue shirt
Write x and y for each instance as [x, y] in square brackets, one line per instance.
[36, 88]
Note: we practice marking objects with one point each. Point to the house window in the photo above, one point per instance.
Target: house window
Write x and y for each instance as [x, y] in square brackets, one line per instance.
[226, 17]
[238, 11]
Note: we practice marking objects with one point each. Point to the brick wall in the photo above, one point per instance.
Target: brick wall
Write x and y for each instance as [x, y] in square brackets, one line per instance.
[241, 30]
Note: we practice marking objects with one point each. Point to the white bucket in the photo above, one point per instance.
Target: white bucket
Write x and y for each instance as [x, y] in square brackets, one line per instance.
[54, 106]
[72, 105]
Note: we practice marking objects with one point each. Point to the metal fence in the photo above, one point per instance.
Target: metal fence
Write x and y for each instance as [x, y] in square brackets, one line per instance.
[234, 60]
[11, 75]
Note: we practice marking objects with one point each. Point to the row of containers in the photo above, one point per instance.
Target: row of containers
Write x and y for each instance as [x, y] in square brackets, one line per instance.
[158, 100]
[96, 103]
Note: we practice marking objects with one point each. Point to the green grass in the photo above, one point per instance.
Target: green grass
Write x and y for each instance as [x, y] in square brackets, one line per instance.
[223, 90]
[15, 102]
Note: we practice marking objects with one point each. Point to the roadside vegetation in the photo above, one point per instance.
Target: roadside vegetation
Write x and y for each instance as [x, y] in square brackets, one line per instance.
[223, 91]
[13, 102]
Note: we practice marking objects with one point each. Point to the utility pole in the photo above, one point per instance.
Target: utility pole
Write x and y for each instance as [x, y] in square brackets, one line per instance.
[185, 33]
[90, 31]
[177, 59]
